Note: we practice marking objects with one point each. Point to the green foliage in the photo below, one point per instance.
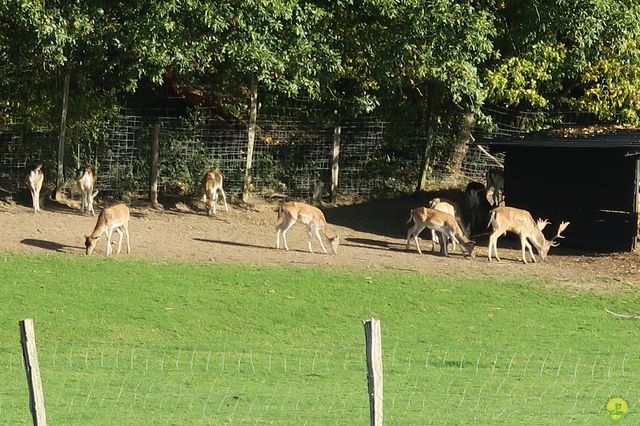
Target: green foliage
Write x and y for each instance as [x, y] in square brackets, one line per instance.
[349, 58]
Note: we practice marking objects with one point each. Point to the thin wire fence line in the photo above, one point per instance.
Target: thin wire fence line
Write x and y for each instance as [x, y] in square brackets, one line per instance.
[175, 386]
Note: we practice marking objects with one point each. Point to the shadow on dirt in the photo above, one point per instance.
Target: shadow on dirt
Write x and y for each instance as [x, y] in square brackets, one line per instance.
[49, 245]
[388, 217]
[232, 243]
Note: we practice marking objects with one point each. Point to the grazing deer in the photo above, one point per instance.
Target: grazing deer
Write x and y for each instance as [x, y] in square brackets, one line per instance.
[212, 184]
[34, 180]
[442, 222]
[114, 218]
[495, 182]
[86, 178]
[520, 222]
[291, 212]
[452, 208]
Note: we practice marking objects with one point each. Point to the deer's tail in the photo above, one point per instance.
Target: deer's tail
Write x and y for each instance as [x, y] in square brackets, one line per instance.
[410, 217]
[492, 215]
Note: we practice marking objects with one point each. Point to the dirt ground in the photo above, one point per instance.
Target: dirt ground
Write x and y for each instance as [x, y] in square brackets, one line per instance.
[372, 238]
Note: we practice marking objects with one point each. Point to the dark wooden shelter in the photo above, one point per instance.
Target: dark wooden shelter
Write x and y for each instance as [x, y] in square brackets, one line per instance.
[588, 176]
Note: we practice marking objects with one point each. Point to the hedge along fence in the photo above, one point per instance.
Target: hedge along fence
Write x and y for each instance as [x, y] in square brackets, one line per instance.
[291, 157]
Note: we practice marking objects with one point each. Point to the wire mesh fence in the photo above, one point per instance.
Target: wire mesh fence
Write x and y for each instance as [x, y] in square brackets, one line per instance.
[292, 157]
[424, 383]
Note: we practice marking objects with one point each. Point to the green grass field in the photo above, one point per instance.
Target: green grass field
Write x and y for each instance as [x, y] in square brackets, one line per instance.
[123, 341]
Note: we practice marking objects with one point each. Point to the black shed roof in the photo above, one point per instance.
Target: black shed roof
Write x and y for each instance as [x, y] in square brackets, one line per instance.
[621, 137]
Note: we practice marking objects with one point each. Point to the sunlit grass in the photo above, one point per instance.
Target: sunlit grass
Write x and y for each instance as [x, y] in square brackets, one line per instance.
[131, 342]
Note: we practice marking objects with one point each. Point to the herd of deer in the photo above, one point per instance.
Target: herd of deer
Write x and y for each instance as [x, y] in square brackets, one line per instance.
[442, 217]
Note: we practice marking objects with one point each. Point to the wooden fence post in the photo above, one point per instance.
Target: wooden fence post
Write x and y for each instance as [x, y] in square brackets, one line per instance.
[335, 164]
[155, 161]
[30, 357]
[373, 338]
[251, 137]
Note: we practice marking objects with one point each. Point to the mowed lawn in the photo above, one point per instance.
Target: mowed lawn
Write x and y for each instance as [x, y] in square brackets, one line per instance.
[124, 341]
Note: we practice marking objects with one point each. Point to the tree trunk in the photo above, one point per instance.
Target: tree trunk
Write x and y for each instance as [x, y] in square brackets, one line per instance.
[155, 162]
[429, 124]
[335, 164]
[63, 128]
[253, 115]
[466, 123]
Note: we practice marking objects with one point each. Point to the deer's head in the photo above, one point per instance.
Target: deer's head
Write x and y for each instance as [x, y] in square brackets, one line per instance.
[551, 243]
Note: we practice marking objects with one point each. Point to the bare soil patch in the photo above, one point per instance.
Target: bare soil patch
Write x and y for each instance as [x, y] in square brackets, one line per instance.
[372, 238]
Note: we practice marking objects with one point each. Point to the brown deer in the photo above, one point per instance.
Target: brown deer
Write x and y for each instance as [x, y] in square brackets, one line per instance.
[212, 185]
[520, 222]
[86, 179]
[291, 212]
[114, 218]
[441, 222]
[34, 180]
[447, 206]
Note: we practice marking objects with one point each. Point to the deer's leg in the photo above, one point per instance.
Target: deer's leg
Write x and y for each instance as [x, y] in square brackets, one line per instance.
[493, 245]
[444, 243]
[417, 230]
[33, 200]
[109, 232]
[215, 200]
[528, 244]
[309, 237]
[316, 231]
[278, 232]
[285, 226]
[523, 246]
[224, 200]
[210, 210]
[121, 234]
[434, 238]
[410, 235]
[126, 231]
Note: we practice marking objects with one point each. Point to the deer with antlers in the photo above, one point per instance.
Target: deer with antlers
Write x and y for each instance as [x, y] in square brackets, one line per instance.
[444, 223]
[521, 223]
[212, 184]
[114, 218]
[34, 180]
[291, 212]
[86, 178]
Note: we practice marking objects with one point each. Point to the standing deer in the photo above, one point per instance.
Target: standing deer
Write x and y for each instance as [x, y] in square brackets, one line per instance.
[495, 182]
[34, 180]
[212, 185]
[291, 212]
[446, 206]
[442, 222]
[114, 218]
[520, 222]
[86, 179]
